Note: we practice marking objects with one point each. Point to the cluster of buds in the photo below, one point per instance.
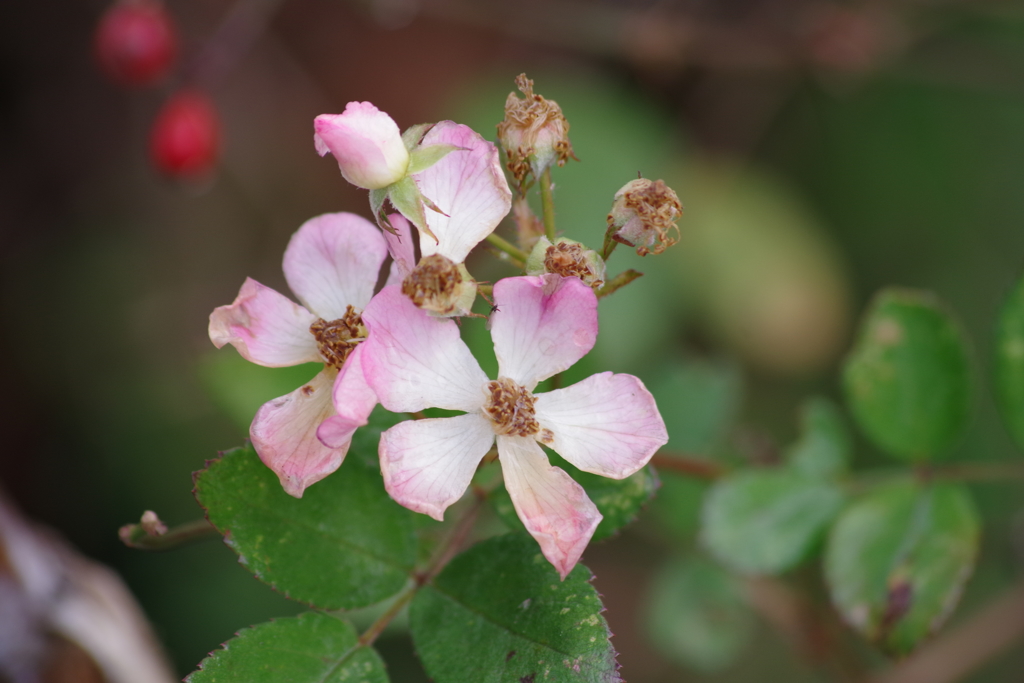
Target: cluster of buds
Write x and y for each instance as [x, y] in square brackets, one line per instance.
[534, 134]
[399, 346]
[136, 45]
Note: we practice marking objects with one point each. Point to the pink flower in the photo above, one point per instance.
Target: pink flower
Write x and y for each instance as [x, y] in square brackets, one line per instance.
[607, 424]
[331, 264]
[367, 144]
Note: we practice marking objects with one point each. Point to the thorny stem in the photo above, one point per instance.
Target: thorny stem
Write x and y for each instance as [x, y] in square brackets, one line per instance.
[547, 203]
[688, 465]
[506, 247]
[135, 536]
[444, 554]
[620, 280]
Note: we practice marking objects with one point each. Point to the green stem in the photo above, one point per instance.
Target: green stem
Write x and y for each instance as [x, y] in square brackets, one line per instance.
[609, 243]
[135, 536]
[444, 554]
[548, 203]
[620, 280]
[503, 245]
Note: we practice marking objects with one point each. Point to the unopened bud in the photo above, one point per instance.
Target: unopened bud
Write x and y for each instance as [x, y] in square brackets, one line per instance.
[644, 216]
[440, 287]
[534, 133]
[366, 143]
[568, 259]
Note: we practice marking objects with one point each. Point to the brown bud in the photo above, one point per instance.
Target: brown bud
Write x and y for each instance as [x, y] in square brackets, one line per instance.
[644, 216]
[534, 133]
[566, 258]
[440, 287]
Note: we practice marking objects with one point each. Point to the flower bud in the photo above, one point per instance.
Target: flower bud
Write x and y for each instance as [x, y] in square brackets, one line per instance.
[644, 214]
[185, 138]
[135, 42]
[534, 133]
[367, 144]
[440, 287]
[568, 259]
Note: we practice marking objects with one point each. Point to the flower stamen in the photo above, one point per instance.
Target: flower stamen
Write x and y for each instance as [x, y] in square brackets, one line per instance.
[335, 339]
[510, 408]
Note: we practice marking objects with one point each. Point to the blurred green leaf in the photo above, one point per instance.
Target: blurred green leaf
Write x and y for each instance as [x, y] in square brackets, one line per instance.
[498, 613]
[618, 500]
[897, 561]
[699, 400]
[239, 387]
[1009, 368]
[311, 648]
[766, 521]
[677, 507]
[824, 447]
[344, 544]
[697, 615]
[908, 380]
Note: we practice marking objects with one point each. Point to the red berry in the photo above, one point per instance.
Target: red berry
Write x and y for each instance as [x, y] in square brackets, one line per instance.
[136, 42]
[185, 137]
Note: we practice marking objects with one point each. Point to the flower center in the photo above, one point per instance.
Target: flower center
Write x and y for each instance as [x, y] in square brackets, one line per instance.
[510, 408]
[335, 339]
[435, 284]
[570, 260]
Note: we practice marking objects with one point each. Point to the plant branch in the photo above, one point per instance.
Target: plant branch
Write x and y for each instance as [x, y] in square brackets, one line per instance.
[444, 554]
[547, 203]
[151, 534]
[955, 653]
[690, 466]
[617, 282]
[506, 247]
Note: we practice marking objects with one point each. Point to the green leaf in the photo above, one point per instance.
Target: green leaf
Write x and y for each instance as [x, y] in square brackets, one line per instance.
[824, 447]
[344, 544]
[1009, 369]
[618, 500]
[697, 615]
[311, 648]
[699, 400]
[414, 134]
[367, 438]
[897, 560]
[422, 158]
[498, 613]
[767, 521]
[908, 379]
[405, 196]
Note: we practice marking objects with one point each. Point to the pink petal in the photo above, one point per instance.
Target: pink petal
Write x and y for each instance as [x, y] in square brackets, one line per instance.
[607, 424]
[333, 261]
[401, 248]
[554, 508]
[265, 327]
[543, 324]
[428, 464]
[366, 142]
[414, 361]
[353, 400]
[284, 435]
[469, 186]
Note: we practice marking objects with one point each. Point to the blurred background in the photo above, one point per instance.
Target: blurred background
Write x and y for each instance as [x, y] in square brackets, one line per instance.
[821, 150]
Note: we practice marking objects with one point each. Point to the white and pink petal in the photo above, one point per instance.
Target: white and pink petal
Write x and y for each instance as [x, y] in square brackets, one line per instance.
[413, 361]
[429, 464]
[401, 248]
[553, 507]
[468, 185]
[608, 424]
[353, 400]
[284, 434]
[542, 325]
[333, 262]
[266, 327]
